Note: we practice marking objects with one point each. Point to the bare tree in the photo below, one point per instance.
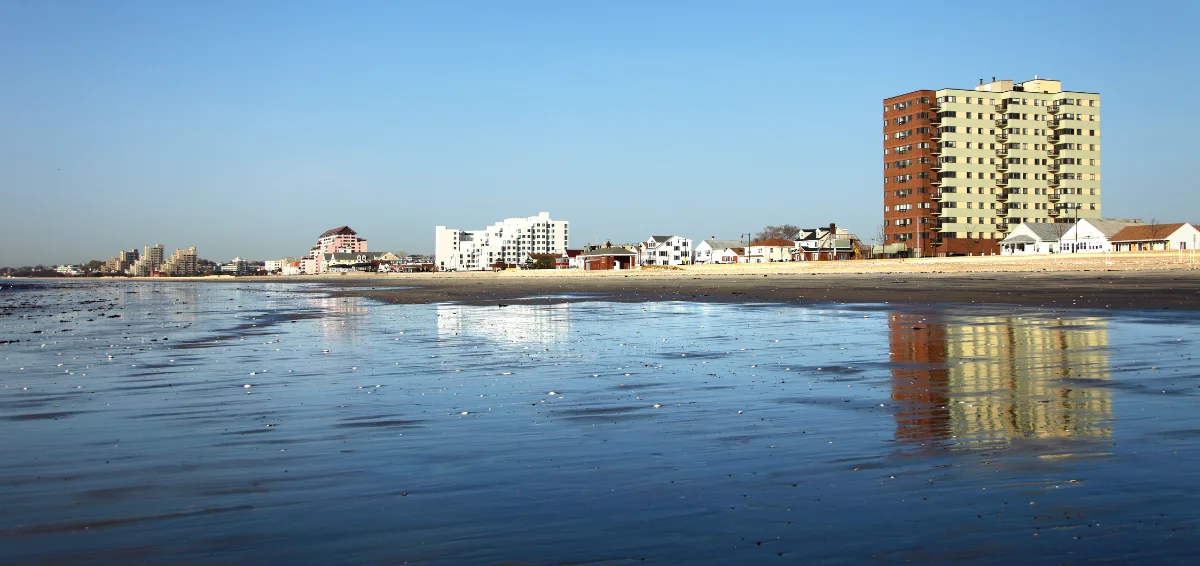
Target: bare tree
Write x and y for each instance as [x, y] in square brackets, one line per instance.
[782, 231]
[1157, 231]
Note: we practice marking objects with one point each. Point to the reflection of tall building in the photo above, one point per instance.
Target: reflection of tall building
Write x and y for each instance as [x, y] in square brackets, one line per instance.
[998, 378]
[515, 323]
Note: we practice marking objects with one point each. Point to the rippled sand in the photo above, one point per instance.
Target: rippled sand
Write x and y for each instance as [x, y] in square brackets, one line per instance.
[587, 432]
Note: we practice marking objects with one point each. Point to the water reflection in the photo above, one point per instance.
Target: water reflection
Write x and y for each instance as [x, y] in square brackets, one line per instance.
[514, 323]
[343, 318]
[988, 380]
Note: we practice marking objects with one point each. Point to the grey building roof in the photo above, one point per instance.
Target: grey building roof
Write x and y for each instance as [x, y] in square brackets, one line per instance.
[724, 244]
[1046, 232]
[1110, 226]
[1018, 239]
[660, 239]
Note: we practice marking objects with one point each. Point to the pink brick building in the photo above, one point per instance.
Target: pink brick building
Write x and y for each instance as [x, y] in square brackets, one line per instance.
[337, 240]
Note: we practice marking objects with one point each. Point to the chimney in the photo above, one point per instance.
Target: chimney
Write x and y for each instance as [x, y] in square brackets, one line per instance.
[980, 82]
[832, 229]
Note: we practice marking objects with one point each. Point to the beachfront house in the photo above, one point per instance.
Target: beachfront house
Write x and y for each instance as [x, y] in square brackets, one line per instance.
[709, 251]
[666, 250]
[732, 255]
[1153, 237]
[1091, 235]
[770, 250]
[832, 243]
[1032, 238]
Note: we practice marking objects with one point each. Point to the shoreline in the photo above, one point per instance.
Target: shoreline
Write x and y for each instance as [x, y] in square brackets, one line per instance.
[1141, 281]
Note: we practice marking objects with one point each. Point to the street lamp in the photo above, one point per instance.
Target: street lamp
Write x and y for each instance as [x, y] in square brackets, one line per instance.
[746, 249]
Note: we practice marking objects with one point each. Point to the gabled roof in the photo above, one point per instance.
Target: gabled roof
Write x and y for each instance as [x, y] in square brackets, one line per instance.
[573, 253]
[774, 242]
[1110, 226]
[1146, 232]
[722, 244]
[1043, 231]
[659, 239]
[339, 231]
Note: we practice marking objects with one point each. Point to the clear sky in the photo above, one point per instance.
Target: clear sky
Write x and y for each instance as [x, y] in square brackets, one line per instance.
[248, 128]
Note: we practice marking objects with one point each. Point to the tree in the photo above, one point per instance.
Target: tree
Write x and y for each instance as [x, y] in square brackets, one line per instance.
[782, 231]
[1157, 231]
[543, 262]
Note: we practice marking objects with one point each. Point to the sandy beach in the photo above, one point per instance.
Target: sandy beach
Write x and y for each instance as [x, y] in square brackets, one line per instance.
[1161, 280]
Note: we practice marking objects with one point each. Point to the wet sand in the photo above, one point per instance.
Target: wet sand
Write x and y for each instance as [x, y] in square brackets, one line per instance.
[1097, 289]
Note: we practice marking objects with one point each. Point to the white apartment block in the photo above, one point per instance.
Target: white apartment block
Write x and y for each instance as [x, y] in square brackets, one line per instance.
[510, 241]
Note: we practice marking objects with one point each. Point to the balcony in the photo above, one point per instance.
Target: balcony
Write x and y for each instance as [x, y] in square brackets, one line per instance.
[1002, 123]
[1052, 123]
[1002, 197]
[1054, 197]
[1052, 151]
[1002, 227]
[1001, 152]
[1054, 166]
[1054, 212]
[1053, 109]
[1053, 182]
[1002, 181]
[1002, 136]
[1002, 106]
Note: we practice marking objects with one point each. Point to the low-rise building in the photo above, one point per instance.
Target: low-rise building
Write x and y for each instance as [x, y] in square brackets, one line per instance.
[1155, 237]
[610, 258]
[732, 255]
[1032, 238]
[68, 270]
[1091, 235]
[709, 251]
[666, 250]
[770, 250]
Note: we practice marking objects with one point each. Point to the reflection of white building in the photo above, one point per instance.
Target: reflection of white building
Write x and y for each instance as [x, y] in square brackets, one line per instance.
[514, 323]
[509, 241]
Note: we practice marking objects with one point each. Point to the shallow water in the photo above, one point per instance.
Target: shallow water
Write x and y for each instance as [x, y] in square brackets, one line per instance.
[676, 432]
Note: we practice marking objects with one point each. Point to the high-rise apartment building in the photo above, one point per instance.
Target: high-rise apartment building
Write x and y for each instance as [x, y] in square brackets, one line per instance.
[151, 260]
[182, 263]
[509, 241]
[962, 167]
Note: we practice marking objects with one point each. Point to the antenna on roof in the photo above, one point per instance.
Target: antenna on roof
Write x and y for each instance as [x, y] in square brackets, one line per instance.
[993, 79]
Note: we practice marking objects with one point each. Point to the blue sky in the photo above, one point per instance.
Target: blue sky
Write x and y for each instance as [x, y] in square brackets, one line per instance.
[248, 128]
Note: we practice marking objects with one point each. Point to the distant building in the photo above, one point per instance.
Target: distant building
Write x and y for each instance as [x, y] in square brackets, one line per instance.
[338, 240]
[509, 242]
[121, 263]
[666, 250]
[1032, 238]
[1152, 237]
[150, 261]
[68, 270]
[962, 167]
[833, 243]
[182, 263]
[365, 262]
[770, 250]
[709, 251]
[237, 267]
[603, 259]
[1090, 235]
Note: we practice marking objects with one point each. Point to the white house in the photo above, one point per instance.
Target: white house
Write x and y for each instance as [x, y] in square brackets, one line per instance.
[709, 251]
[770, 250]
[1032, 238]
[1151, 237]
[509, 241]
[824, 243]
[731, 255]
[666, 250]
[1091, 235]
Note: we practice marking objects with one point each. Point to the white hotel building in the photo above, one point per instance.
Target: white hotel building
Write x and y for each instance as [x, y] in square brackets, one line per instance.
[511, 241]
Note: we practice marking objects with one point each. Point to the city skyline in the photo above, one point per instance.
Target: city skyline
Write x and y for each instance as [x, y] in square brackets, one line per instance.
[243, 129]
